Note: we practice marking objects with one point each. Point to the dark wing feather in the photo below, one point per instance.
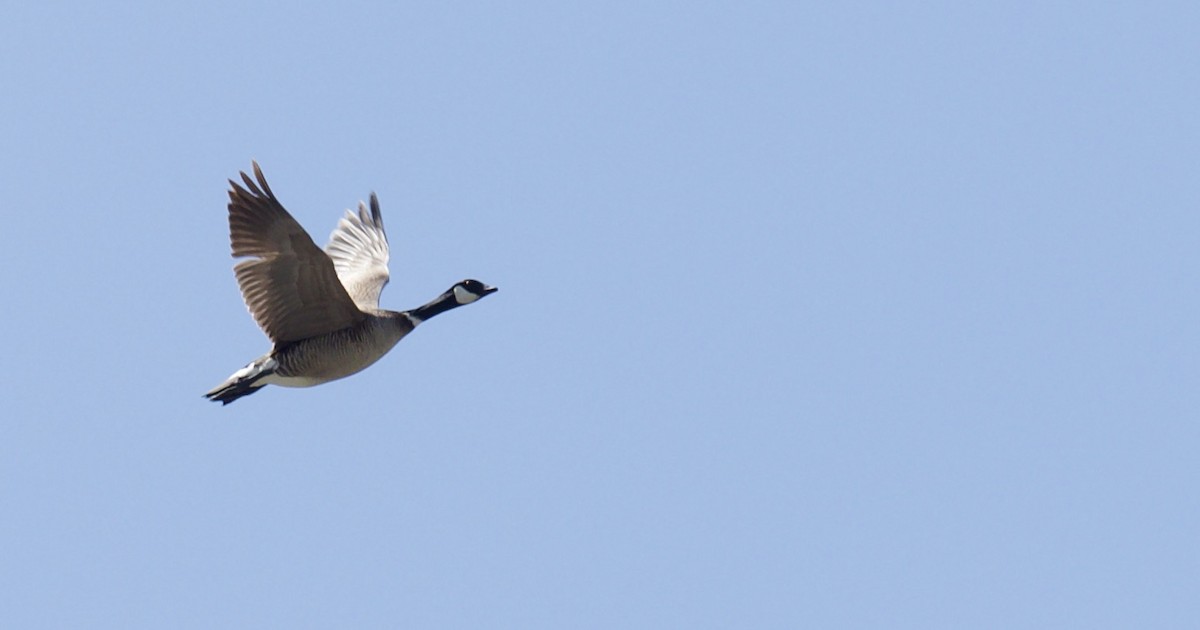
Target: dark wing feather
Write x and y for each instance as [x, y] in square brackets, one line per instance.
[290, 286]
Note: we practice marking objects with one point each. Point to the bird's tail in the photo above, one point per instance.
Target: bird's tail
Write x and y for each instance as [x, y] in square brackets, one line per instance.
[243, 382]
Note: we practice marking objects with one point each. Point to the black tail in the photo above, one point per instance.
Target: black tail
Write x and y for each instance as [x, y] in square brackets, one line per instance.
[229, 392]
[243, 382]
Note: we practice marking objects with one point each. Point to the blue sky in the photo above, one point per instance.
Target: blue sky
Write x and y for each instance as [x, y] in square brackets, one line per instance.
[811, 315]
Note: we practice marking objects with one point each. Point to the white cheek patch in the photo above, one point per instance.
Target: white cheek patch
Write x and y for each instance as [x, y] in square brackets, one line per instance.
[463, 296]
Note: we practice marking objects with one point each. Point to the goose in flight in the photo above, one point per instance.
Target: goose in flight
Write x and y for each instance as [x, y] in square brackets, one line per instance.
[320, 308]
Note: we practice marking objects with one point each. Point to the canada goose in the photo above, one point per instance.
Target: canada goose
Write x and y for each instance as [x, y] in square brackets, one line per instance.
[320, 308]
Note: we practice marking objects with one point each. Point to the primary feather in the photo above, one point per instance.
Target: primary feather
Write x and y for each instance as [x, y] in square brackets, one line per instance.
[289, 284]
[359, 250]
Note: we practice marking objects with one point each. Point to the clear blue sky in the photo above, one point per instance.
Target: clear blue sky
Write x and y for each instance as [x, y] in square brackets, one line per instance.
[841, 315]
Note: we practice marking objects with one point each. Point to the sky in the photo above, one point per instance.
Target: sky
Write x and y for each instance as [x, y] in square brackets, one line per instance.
[830, 315]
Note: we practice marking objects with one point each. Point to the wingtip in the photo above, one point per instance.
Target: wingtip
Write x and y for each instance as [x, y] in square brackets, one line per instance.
[376, 215]
[257, 188]
[249, 183]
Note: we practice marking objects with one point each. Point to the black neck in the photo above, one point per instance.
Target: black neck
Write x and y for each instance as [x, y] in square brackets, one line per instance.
[443, 303]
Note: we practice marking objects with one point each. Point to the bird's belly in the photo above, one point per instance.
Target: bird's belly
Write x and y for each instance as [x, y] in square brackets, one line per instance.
[295, 381]
[315, 361]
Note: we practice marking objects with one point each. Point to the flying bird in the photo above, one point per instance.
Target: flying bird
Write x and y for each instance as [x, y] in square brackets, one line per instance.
[320, 308]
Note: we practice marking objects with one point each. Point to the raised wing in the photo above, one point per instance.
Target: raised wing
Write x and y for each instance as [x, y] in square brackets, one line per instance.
[359, 250]
[290, 285]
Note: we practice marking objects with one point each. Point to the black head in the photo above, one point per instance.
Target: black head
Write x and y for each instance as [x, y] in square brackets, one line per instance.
[468, 291]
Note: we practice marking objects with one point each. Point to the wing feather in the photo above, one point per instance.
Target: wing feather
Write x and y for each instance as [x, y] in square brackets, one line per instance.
[359, 250]
[290, 285]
